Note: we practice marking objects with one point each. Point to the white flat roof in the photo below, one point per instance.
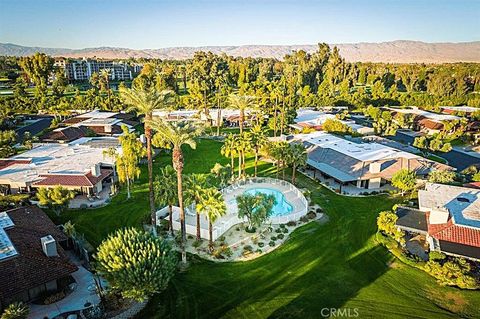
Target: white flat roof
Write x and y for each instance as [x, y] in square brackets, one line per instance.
[98, 114]
[359, 151]
[76, 157]
[6, 247]
[312, 117]
[429, 115]
[464, 108]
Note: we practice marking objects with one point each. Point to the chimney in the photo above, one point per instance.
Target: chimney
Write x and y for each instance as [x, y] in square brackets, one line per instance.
[49, 246]
[108, 129]
[95, 169]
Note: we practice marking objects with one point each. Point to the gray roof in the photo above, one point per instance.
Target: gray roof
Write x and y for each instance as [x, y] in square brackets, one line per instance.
[412, 219]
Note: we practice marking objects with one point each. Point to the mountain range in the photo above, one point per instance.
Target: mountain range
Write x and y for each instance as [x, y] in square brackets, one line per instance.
[395, 51]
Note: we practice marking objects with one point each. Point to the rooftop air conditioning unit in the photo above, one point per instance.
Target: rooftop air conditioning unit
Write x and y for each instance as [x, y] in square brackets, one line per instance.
[49, 246]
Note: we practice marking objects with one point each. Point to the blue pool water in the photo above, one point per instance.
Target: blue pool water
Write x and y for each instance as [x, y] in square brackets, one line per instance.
[281, 208]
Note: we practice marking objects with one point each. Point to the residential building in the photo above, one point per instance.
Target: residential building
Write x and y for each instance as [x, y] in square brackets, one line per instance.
[32, 260]
[308, 118]
[82, 70]
[80, 165]
[457, 110]
[351, 166]
[425, 121]
[449, 218]
[102, 123]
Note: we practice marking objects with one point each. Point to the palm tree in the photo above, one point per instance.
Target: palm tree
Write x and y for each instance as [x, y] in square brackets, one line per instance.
[297, 158]
[242, 103]
[196, 185]
[166, 191]
[177, 135]
[143, 101]
[258, 138]
[242, 143]
[213, 206]
[229, 149]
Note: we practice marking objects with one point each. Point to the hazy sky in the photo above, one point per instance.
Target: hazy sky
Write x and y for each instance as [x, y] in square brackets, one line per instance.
[155, 24]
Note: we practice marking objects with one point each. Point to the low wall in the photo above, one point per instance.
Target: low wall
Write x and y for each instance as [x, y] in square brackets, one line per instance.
[131, 311]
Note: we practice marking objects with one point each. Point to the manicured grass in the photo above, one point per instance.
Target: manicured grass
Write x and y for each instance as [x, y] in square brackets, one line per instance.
[337, 264]
[438, 159]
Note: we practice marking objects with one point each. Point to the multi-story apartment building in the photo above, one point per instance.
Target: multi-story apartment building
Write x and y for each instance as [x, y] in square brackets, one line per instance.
[82, 70]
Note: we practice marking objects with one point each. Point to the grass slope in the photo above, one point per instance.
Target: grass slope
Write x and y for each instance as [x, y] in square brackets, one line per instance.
[334, 265]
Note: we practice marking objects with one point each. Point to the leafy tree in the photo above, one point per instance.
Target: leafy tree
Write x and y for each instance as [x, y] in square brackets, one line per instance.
[212, 204]
[256, 208]
[144, 101]
[136, 263]
[456, 272]
[335, 126]
[7, 139]
[476, 177]
[38, 68]
[405, 180]
[56, 198]
[176, 135]
[441, 176]
[386, 223]
[127, 163]
[434, 144]
[60, 83]
[166, 191]
[16, 310]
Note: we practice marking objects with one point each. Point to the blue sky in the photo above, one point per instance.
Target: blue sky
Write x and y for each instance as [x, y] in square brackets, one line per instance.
[155, 24]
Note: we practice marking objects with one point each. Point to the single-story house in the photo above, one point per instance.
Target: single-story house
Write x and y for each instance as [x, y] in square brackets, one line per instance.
[367, 166]
[80, 165]
[449, 217]
[32, 260]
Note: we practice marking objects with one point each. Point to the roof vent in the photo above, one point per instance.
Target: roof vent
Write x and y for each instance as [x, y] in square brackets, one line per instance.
[463, 200]
[49, 246]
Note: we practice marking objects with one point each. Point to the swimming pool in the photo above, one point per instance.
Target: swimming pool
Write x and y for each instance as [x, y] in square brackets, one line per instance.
[281, 208]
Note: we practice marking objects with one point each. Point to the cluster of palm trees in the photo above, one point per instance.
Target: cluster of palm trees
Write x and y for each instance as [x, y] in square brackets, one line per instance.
[286, 154]
[170, 189]
[238, 145]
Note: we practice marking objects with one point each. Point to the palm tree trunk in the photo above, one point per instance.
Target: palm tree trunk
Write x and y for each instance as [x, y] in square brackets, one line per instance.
[242, 119]
[148, 136]
[239, 164]
[210, 233]
[128, 188]
[198, 224]
[256, 161]
[294, 169]
[233, 164]
[275, 119]
[243, 163]
[178, 165]
[283, 170]
[170, 218]
[219, 117]
[278, 168]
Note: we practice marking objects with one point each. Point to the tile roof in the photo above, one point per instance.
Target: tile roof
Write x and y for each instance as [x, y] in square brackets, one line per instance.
[87, 180]
[7, 162]
[454, 233]
[31, 267]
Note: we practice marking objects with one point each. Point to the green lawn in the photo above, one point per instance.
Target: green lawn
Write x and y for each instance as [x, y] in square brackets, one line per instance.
[337, 264]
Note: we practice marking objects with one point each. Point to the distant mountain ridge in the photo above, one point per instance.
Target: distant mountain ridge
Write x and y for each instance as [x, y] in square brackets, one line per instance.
[401, 51]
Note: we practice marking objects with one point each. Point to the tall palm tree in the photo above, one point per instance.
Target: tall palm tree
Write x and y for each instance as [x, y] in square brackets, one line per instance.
[297, 158]
[242, 103]
[229, 149]
[258, 139]
[242, 144]
[143, 101]
[212, 205]
[177, 135]
[195, 186]
[166, 191]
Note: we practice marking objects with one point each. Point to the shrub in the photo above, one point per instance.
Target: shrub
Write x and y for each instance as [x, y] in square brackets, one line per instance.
[259, 251]
[292, 223]
[304, 219]
[16, 310]
[278, 230]
[281, 236]
[319, 210]
[197, 243]
[271, 243]
[436, 255]
[221, 238]
[273, 238]
[261, 244]
[283, 226]
[454, 272]
[54, 298]
[248, 248]
[190, 237]
[285, 231]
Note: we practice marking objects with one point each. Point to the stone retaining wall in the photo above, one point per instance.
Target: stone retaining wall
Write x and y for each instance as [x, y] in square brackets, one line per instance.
[131, 311]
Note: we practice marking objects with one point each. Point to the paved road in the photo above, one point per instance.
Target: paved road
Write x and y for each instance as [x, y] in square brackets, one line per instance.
[34, 128]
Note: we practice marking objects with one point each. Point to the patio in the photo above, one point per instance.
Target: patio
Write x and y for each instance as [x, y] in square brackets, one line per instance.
[83, 201]
[83, 293]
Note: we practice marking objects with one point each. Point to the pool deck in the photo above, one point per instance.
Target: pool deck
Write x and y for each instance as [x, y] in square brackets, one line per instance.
[292, 195]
